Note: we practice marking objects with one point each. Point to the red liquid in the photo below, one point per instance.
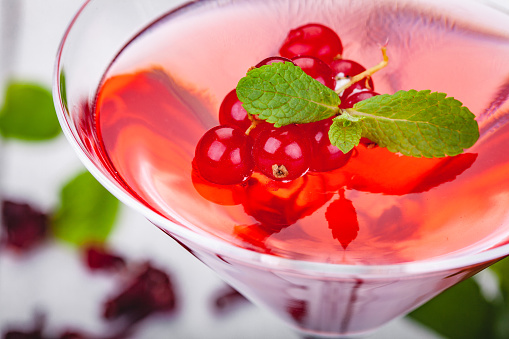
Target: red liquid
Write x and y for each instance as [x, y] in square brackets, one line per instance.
[164, 90]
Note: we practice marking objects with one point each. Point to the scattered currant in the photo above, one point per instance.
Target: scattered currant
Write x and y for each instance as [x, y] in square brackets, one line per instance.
[313, 40]
[282, 153]
[324, 156]
[223, 155]
[232, 113]
[317, 69]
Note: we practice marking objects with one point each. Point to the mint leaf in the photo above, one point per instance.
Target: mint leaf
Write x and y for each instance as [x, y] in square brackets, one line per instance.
[345, 132]
[87, 212]
[417, 123]
[282, 94]
[28, 113]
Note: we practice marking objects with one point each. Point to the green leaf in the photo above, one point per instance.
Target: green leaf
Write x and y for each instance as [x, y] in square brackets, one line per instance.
[87, 212]
[345, 132]
[28, 113]
[282, 94]
[501, 269]
[459, 312]
[418, 123]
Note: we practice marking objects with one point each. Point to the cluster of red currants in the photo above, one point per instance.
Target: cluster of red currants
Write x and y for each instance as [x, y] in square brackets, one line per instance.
[229, 153]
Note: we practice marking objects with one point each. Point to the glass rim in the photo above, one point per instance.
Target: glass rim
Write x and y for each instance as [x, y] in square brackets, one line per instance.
[250, 257]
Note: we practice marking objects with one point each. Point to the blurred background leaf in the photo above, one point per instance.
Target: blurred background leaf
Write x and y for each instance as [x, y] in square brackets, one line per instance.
[87, 212]
[28, 113]
[501, 270]
[461, 312]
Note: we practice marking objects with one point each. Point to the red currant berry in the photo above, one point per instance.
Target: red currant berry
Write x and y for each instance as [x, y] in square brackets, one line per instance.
[223, 155]
[260, 127]
[344, 70]
[317, 69]
[232, 113]
[355, 88]
[272, 60]
[313, 40]
[282, 153]
[357, 97]
[324, 156]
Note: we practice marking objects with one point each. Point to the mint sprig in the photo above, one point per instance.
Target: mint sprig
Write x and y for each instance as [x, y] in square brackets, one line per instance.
[414, 123]
[283, 94]
[418, 123]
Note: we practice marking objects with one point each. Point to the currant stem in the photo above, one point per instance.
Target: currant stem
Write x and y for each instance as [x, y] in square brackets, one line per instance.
[367, 72]
[254, 123]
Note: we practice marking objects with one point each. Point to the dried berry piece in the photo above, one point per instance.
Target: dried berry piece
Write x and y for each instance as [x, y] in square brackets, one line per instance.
[99, 258]
[25, 227]
[33, 331]
[149, 292]
[15, 334]
[227, 299]
[73, 335]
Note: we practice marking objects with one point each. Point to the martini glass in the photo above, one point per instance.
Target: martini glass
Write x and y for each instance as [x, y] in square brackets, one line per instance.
[317, 297]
